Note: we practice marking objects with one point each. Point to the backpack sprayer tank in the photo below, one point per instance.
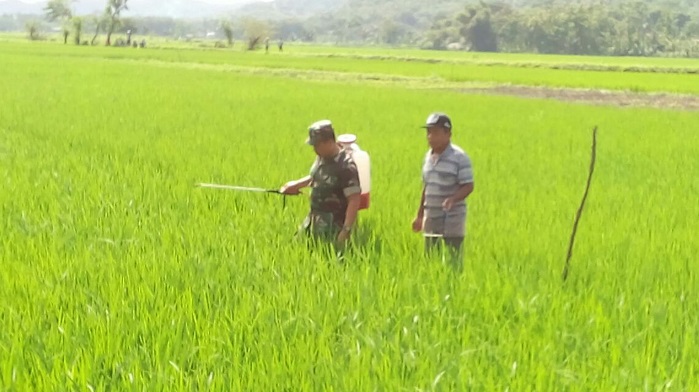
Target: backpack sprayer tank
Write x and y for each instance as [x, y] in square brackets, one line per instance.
[361, 159]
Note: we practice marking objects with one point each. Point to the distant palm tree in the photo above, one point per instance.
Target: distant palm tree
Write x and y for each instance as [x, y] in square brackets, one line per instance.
[113, 16]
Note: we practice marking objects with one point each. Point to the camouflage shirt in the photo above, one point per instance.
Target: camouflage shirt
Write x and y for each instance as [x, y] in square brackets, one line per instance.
[332, 181]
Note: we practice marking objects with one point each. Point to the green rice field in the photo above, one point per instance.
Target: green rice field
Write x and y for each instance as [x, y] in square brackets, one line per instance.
[119, 274]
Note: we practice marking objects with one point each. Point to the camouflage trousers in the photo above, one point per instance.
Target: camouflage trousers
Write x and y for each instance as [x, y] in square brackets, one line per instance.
[321, 226]
[320, 232]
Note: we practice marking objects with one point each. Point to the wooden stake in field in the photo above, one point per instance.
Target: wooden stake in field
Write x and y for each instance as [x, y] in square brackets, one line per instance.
[566, 268]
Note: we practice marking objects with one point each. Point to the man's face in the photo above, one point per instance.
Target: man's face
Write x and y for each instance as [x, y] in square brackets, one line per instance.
[325, 148]
[438, 137]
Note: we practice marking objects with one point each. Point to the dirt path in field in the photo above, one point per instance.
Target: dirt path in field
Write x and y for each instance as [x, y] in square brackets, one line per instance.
[594, 97]
[616, 98]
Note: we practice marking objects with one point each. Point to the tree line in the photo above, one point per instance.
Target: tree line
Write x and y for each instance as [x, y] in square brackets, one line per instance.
[59, 11]
[587, 27]
[624, 29]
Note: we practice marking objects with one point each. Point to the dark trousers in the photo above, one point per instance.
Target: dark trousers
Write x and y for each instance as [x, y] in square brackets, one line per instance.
[454, 247]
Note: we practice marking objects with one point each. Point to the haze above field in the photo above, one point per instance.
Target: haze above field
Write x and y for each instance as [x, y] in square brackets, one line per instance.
[276, 8]
[170, 8]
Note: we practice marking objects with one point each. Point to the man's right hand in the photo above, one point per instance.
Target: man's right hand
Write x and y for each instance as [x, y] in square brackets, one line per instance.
[417, 224]
[291, 188]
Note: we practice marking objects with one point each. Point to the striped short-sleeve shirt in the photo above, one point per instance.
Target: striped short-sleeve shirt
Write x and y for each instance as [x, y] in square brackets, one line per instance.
[442, 176]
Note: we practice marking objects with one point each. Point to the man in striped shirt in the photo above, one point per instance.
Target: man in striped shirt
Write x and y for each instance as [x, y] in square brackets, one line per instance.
[447, 175]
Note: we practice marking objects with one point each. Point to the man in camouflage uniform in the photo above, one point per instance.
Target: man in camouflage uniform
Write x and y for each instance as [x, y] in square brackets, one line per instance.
[334, 180]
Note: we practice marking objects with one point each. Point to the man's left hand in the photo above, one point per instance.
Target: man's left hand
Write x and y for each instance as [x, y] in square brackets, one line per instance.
[343, 237]
[448, 203]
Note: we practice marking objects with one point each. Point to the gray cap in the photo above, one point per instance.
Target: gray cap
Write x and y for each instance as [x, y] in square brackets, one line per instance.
[438, 119]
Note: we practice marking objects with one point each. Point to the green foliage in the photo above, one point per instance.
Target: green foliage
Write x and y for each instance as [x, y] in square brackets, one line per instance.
[99, 22]
[33, 28]
[112, 14]
[256, 31]
[627, 29]
[77, 29]
[58, 10]
[477, 29]
[227, 31]
[615, 27]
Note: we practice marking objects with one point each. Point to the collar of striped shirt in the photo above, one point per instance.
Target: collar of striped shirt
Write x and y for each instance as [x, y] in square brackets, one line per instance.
[447, 151]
